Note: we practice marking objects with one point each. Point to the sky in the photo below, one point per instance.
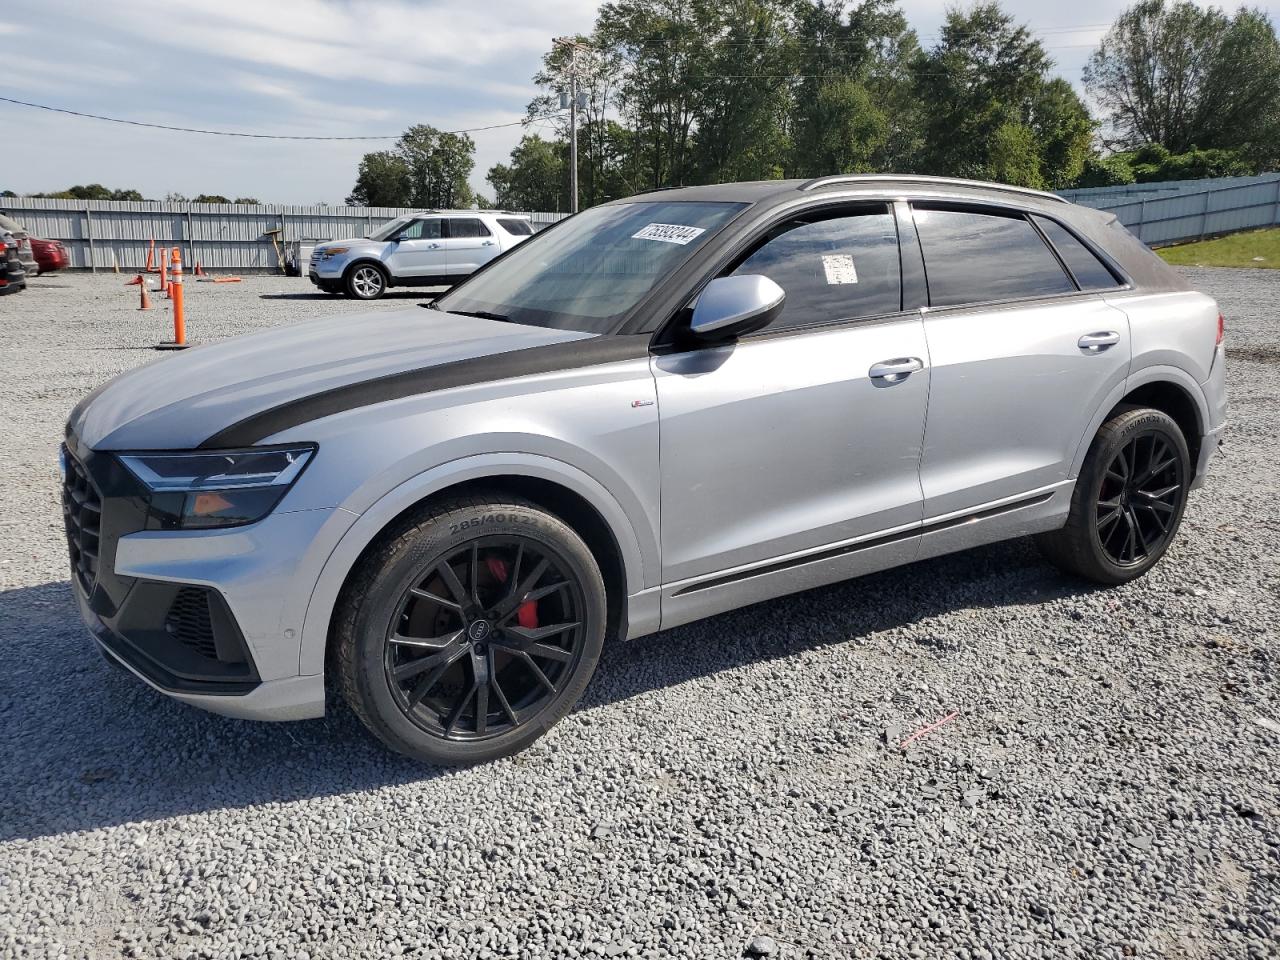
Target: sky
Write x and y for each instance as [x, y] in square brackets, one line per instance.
[312, 68]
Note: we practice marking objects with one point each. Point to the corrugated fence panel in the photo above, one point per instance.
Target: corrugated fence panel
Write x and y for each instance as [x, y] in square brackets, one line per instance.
[229, 236]
[220, 236]
[1178, 211]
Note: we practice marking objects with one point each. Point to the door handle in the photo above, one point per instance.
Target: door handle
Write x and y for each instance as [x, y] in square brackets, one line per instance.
[893, 371]
[433, 246]
[1097, 342]
[487, 243]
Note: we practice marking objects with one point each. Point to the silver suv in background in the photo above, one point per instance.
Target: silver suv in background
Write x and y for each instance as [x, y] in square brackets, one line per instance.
[432, 248]
[654, 411]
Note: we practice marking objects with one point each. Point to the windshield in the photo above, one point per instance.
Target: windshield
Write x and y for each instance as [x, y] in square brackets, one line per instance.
[589, 271]
[390, 228]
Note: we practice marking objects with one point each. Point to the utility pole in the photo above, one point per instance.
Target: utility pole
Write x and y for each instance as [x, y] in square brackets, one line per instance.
[573, 119]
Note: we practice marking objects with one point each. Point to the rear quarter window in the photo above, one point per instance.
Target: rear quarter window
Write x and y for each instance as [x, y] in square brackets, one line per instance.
[1090, 272]
[517, 228]
[973, 257]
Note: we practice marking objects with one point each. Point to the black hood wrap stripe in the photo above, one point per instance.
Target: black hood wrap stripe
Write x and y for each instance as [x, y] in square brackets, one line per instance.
[547, 358]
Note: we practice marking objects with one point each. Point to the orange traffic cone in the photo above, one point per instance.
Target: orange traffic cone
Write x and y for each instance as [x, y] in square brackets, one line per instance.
[145, 303]
[134, 282]
[199, 269]
[151, 256]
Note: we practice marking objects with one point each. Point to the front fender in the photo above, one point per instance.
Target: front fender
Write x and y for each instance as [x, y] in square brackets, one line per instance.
[638, 548]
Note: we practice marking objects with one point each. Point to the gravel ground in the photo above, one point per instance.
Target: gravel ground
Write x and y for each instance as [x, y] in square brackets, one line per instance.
[1109, 788]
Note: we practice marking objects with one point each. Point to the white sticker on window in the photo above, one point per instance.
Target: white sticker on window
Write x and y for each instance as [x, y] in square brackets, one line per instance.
[839, 268]
[669, 233]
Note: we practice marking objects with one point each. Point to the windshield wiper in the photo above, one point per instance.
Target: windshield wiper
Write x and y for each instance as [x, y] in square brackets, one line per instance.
[483, 315]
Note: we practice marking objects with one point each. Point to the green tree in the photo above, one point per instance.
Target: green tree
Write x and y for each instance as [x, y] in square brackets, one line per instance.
[248, 200]
[382, 180]
[991, 111]
[599, 73]
[1184, 76]
[210, 198]
[126, 195]
[1012, 156]
[843, 131]
[853, 75]
[1112, 171]
[439, 165]
[744, 94]
[535, 179]
[1063, 133]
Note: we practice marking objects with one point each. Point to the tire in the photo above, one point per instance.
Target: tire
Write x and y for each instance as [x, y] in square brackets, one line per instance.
[365, 281]
[1123, 516]
[412, 659]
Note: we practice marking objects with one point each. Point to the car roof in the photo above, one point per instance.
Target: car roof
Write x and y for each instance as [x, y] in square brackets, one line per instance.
[771, 192]
[462, 213]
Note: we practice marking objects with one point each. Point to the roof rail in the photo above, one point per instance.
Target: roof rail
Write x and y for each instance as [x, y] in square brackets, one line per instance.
[917, 178]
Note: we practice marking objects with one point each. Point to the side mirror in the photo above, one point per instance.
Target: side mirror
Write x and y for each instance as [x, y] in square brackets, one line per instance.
[730, 307]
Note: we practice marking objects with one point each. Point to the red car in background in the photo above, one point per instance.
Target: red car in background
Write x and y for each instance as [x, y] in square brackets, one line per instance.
[50, 255]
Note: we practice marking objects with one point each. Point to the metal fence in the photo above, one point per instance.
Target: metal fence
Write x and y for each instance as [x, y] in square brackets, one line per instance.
[1180, 210]
[104, 234]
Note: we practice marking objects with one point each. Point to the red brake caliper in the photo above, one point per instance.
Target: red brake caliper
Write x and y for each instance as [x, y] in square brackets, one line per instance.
[527, 612]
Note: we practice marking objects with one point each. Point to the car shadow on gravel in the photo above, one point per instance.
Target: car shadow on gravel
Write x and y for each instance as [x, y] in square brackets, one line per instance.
[84, 745]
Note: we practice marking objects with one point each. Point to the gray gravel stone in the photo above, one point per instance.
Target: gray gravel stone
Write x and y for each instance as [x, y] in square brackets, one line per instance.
[739, 764]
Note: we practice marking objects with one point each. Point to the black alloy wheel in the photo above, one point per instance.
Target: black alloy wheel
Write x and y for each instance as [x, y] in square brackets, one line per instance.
[1139, 499]
[1127, 503]
[469, 629]
[482, 642]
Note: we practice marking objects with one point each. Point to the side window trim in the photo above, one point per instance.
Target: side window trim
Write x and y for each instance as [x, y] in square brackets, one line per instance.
[446, 231]
[772, 232]
[1057, 254]
[994, 210]
[1122, 280]
[915, 278]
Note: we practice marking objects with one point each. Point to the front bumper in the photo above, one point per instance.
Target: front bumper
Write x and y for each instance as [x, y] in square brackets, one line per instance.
[209, 617]
[329, 271]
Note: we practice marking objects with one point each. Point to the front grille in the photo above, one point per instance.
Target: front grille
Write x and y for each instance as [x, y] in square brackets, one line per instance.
[190, 623]
[82, 515]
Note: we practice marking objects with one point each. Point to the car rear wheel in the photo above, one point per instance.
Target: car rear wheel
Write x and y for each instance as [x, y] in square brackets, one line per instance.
[471, 630]
[365, 281]
[1128, 501]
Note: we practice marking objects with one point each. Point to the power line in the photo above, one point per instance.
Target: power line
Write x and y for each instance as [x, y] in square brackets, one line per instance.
[253, 136]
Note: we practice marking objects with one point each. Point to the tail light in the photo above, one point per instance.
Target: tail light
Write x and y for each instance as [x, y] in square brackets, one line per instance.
[1222, 329]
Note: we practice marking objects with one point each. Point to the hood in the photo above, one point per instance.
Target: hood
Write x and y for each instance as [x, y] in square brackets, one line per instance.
[352, 242]
[178, 402]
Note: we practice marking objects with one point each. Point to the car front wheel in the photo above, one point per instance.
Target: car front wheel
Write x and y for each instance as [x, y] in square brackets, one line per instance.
[470, 630]
[1128, 500]
[365, 281]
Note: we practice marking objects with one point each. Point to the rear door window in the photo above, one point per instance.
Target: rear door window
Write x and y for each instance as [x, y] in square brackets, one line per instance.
[459, 228]
[1090, 272]
[517, 228]
[972, 257]
[840, 268]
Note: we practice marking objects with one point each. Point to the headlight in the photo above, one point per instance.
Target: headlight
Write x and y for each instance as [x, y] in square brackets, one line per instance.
[328, 252]
[220, 488]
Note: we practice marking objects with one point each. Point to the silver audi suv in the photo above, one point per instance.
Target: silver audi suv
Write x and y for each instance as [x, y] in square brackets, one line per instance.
[657, 410]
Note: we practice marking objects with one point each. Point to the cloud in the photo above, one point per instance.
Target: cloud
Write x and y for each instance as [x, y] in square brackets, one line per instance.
[387, 41]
